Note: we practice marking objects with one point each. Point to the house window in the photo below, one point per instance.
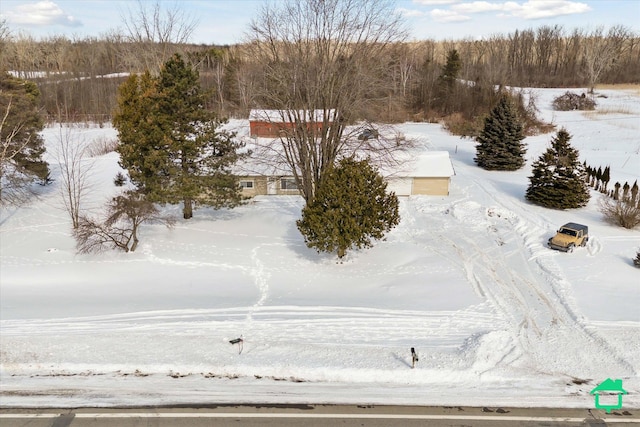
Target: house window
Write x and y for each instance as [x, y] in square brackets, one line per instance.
[288, 184]
[246, 184]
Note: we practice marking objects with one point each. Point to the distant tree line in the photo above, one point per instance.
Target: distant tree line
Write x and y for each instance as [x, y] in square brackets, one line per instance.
[420, 78]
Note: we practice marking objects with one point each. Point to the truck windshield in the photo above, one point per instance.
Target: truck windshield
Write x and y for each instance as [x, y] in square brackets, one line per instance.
[569, 232]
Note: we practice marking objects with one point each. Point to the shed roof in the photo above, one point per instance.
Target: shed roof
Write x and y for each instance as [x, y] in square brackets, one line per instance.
[427, 164]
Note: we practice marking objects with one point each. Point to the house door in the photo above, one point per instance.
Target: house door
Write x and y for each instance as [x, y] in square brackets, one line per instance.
[272, 186]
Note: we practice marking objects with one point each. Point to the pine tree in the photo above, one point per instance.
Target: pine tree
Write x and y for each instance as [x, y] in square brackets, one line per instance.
[447, 81]
[21, 146]
[558, 179]
[171, 144]
[350, 209]
[636, 260]
[500, 144]
[451, 69]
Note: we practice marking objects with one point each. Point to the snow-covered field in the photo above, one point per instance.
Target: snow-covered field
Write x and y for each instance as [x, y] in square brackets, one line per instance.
[496, 317]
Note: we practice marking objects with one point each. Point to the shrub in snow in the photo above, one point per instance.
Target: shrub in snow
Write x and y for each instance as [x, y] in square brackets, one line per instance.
[571, 101]
[101, 146]
[120, 179]
[636, 260]
[119, 230]
[559, 179]
[621, 212]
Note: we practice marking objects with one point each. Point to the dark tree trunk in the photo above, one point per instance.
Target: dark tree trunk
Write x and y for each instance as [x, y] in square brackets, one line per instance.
[134, 235]
[187, 212]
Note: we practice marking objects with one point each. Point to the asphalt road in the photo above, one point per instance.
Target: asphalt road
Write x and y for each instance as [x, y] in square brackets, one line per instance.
[314, 416]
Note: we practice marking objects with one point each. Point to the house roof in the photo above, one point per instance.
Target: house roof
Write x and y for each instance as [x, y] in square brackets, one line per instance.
[283, 116]
[430, 164]
[608, 386]
[416, 163]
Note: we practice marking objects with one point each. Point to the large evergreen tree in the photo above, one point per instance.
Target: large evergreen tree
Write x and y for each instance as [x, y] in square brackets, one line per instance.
[350, 209]
[558, 179]
[21, 146]
[171, 144]
[451, 69]
[500, 145]
[447, 82]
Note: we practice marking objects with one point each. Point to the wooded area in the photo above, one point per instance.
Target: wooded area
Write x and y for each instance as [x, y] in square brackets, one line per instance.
[78, 78]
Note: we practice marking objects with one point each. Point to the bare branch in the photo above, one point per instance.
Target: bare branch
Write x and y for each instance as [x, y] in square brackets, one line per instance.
[322, 66]
[157, 32]
[125, 214]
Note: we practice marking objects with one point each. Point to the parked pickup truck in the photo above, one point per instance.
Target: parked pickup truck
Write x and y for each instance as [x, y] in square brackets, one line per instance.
[569, 236]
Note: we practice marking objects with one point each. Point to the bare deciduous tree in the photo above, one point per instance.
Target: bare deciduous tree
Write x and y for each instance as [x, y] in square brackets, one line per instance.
[322, 66]
[5, 36]
[602, 51]
[156, 32]
[75, 168]
[119, 230]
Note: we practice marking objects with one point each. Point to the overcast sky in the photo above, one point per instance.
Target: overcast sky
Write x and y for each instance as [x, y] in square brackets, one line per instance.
[225, 21]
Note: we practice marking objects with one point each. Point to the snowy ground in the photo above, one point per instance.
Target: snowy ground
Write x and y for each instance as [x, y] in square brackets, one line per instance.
[496, 316]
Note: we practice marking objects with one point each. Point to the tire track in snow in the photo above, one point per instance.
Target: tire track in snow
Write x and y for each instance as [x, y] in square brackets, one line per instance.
[543, 324]
[275, 326]
[594, 246]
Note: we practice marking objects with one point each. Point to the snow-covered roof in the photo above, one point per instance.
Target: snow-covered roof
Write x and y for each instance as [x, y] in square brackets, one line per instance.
[282, 116]
[428, 164]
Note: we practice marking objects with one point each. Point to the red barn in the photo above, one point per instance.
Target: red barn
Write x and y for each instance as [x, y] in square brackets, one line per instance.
[271, 123]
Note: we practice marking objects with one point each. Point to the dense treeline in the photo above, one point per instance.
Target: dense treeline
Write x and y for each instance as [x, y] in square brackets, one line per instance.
[78, 78]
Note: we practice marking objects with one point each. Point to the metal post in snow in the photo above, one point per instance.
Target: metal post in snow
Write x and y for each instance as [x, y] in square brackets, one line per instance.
[238, 341]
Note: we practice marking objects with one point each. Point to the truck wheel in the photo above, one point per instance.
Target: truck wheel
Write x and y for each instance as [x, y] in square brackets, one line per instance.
[570, 247]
